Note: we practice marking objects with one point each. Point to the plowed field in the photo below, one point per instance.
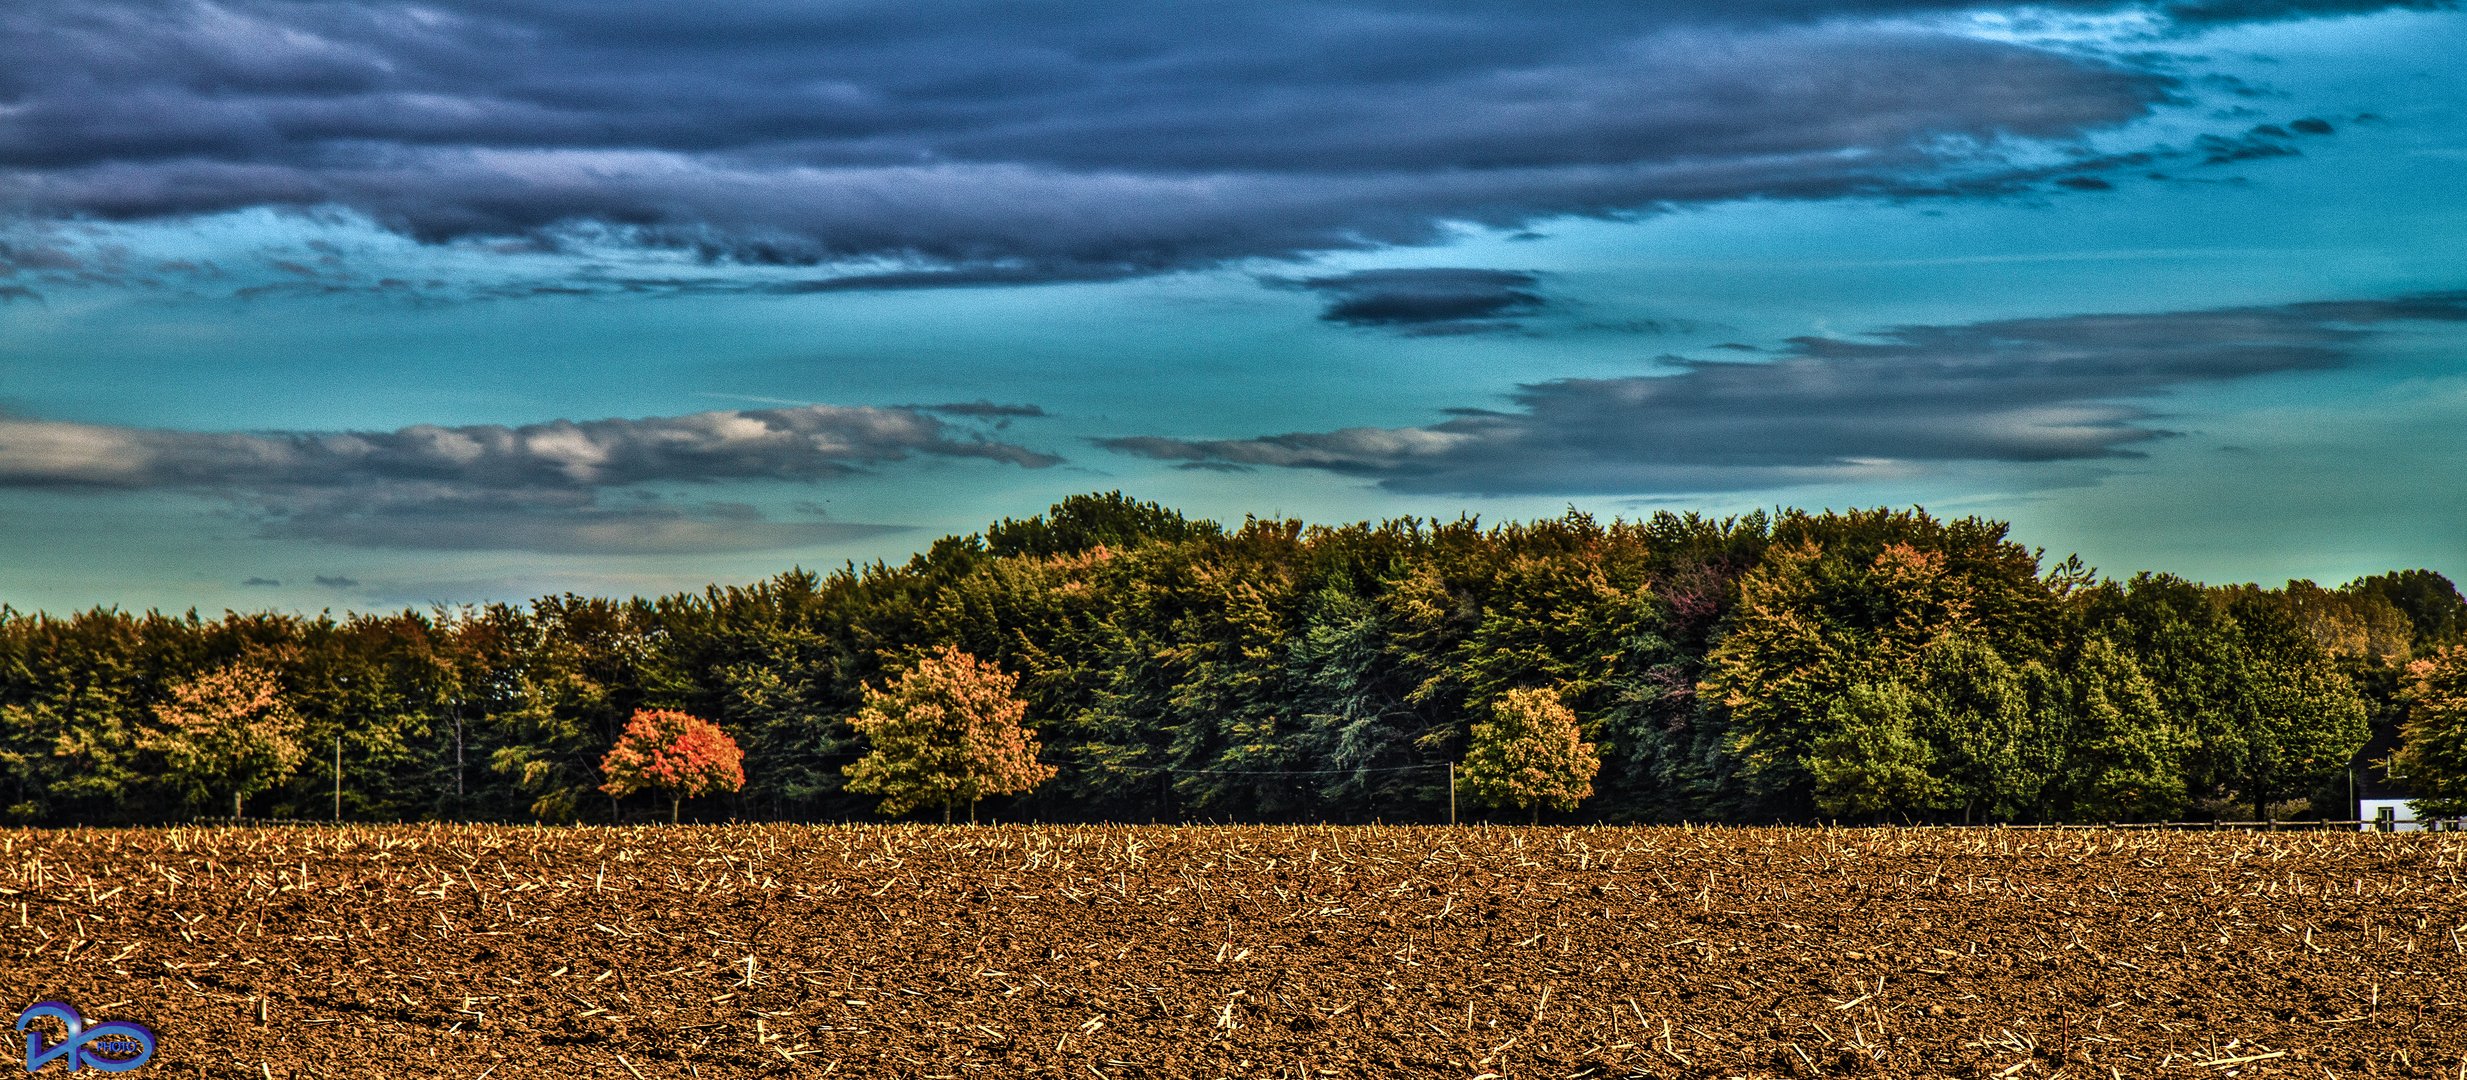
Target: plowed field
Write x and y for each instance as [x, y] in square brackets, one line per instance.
[1242, 951]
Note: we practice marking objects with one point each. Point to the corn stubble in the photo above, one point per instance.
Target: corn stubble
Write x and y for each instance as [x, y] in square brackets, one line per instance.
[1165, 951]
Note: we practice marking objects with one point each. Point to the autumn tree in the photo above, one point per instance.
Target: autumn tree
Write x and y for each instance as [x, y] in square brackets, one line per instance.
[2430, 602]
[946, 732]
[1082, 522]
[674, 752]
[229, 728]
[2354, 625]
[1530, 754]
[2432, 753]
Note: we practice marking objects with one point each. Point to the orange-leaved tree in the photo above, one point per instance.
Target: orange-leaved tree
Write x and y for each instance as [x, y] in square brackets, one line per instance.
[2433, 739]
[229, 728]
[1530, 754]
[675, 752]
[947, 732]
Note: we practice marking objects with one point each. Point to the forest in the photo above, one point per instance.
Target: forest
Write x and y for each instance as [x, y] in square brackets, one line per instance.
[1868, 665]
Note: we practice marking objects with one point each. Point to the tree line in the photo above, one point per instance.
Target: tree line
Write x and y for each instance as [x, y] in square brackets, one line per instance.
[1879, 665]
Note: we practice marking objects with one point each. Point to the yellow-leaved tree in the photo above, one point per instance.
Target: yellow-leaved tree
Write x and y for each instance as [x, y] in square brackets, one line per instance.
[1530, 754]
[946, 732]
[229, 729]
[2433, 739]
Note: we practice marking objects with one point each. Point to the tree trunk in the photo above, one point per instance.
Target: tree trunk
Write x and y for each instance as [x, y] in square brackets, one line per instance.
[235, 805]
[676, 803]
[972, 811]
[946, 813]
[1537, 813]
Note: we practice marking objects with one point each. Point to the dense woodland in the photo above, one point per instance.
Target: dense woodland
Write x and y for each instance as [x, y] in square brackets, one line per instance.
[1871, 665]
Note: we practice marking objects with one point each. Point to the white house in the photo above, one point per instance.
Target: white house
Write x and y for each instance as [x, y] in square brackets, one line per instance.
[2381, 799]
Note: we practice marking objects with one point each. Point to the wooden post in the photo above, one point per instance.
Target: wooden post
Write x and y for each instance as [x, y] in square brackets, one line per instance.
[1451, 793]
[338, 778]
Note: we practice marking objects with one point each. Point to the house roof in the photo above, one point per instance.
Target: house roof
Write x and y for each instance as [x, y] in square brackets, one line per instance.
[2372, 779]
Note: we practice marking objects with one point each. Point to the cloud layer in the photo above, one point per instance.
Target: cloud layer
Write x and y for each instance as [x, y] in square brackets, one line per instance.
[1011, 141]
[558, 486]
[1426, 300]
[2023, 390]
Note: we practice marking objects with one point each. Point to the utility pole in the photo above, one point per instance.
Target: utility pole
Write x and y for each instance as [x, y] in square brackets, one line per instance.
[338, 778]
[1451, 793]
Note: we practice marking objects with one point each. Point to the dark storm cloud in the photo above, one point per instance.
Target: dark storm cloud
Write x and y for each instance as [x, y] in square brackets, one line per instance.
[1425, 300]
[1002, 143]
[984, 410]
[27, 257]
[2261, 141]
[976, 277]
[2023, 390]
[541, 487]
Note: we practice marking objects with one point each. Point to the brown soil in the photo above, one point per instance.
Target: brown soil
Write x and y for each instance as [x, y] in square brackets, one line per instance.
[1200, 952]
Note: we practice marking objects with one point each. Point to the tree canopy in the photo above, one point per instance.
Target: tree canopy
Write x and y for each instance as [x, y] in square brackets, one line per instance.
[228, 729]
[945, 733]
[1863, 665]
[680, 754]
[1530, 755]
[2433, 757]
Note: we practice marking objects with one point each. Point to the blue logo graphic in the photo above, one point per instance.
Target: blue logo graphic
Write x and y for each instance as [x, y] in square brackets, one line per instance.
[117, 1046]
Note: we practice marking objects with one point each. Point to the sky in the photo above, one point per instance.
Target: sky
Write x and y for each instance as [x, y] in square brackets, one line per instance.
[349, 305]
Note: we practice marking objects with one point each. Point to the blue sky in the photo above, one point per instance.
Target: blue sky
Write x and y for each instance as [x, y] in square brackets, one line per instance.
[355, 305]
